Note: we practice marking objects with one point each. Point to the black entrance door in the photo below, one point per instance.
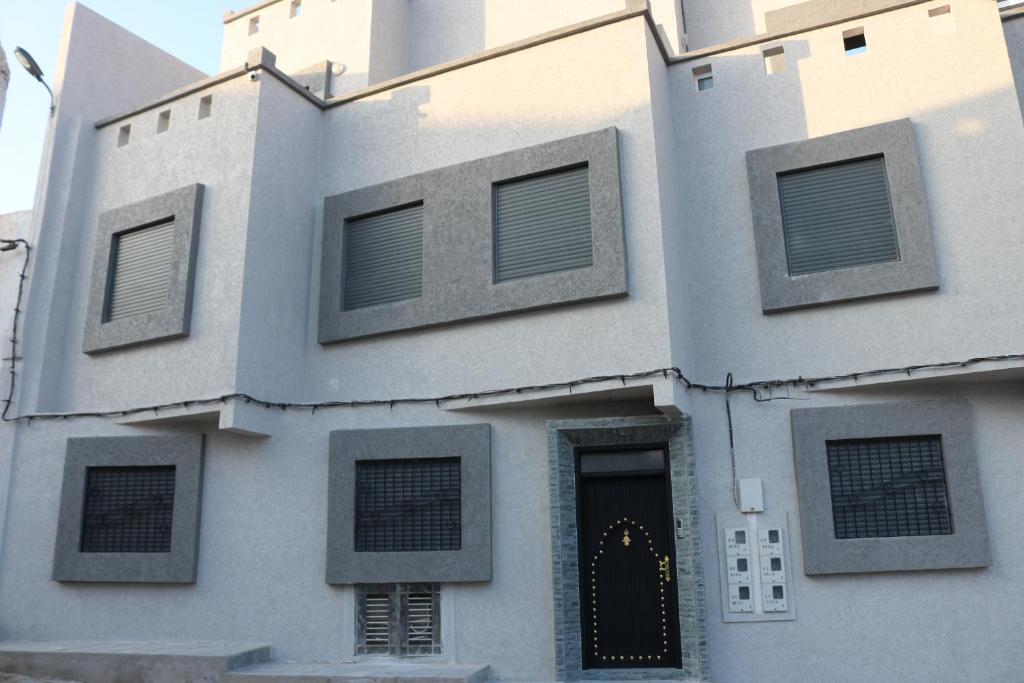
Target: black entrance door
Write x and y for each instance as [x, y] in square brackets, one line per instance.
[627, 561]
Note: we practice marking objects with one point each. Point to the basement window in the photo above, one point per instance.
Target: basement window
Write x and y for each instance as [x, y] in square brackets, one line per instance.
[702, 78]
[205, 107]
[854, 42]
[124, 135]
[254, 25]
[163, 122]
[398, 619]
[295, 9]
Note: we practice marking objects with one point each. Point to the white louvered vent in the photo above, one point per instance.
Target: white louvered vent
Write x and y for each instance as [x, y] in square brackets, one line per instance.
[420, 621]
[543, 225]
[398, 619]
[377, 623]
[141, 275]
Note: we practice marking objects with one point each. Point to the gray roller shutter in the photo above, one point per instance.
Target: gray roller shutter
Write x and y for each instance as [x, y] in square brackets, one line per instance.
[141, 277]
[838, 217]
[384, 258]
[543, 225]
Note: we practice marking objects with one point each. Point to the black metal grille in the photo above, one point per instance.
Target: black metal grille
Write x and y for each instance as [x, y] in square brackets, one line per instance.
[128, 510]
[404, 505]
[888, 487]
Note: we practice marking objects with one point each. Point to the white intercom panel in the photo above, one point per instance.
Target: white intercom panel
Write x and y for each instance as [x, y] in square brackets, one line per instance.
[754, 557]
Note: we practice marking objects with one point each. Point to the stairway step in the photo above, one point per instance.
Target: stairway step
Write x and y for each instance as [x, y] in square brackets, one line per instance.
[359, 672]
[135, 661]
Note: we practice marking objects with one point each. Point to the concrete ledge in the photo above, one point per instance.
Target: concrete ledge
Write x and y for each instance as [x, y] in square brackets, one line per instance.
[361, 672]
[139, 662]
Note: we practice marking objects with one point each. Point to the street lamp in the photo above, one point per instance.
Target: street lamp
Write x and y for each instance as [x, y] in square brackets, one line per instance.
[25, 59]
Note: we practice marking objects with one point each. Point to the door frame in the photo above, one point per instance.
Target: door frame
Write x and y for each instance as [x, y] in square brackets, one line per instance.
[567, 438]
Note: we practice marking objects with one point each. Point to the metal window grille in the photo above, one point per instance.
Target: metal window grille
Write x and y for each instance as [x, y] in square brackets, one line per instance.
[141, 276]
[408, 505]
[542, 224]
[398, 619]
[888, 487]
[384, 258]
[838, 216]
[128, 510]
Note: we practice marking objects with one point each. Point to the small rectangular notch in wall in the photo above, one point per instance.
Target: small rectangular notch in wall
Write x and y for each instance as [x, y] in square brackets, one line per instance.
[124, 134]
[254, 25]
[295, 9]
[854, 41]
[205, 107]
[163, 122]
[940, 19]
[703, 78]
[774, 60]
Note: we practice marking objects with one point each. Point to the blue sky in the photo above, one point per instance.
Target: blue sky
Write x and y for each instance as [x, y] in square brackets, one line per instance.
[189, 29]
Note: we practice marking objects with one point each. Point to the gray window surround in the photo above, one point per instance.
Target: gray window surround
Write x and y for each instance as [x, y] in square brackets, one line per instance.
[184, 207]
[458, 237]
[966, 547]
[565, 437]
[472, 563]
[185, 452]
[914, 271]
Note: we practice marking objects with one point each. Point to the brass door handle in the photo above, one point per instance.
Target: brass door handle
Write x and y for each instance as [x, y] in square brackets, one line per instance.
[664, 566]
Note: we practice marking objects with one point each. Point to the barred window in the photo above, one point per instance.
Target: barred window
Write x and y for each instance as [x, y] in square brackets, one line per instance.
[398, 619]
[888, 487]
[128, 510]
[408, 505]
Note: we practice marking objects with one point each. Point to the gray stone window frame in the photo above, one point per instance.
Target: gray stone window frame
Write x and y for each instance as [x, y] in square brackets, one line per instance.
[472, 563]
[966, 547]
[185, 453]
[458, 241]
[184, 207]
[565, 439]
[914, 271]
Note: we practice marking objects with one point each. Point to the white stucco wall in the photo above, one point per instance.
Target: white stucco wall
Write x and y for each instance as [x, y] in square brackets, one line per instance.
[268, 157]
[5, 77]
[964, 109]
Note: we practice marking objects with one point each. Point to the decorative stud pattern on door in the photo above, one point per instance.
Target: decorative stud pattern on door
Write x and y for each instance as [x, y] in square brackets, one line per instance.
[657, 564]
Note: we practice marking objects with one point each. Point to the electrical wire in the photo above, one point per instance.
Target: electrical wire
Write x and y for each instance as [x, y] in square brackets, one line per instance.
[10, 245]
[760, 390]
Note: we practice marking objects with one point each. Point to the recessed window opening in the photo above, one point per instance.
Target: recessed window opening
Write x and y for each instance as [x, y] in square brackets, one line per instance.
[205, 107]
[703, 78]
[140, 278]
[854, 42]
[254, 25]
[124, 135]
[296, 9]
[774, 60]
[163, 122]
[398, 619]
[128, 510]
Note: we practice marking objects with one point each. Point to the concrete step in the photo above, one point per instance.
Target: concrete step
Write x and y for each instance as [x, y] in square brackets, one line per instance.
[129, 661]
[383, 671]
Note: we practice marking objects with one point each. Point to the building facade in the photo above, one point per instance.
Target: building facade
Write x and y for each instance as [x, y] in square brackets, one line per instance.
[549, 340]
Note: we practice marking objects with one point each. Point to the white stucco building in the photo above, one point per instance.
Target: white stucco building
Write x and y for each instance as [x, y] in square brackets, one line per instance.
[533, 340]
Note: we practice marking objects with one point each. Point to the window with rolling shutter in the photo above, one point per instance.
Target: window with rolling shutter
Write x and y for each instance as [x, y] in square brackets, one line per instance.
[838, 216]
[383, 258]
[888, 487]
[542, 224]
[398, 619]
[140, 279]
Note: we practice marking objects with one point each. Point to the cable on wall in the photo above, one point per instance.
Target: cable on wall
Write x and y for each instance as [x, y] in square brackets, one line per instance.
[11, 245]
[760, 390]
